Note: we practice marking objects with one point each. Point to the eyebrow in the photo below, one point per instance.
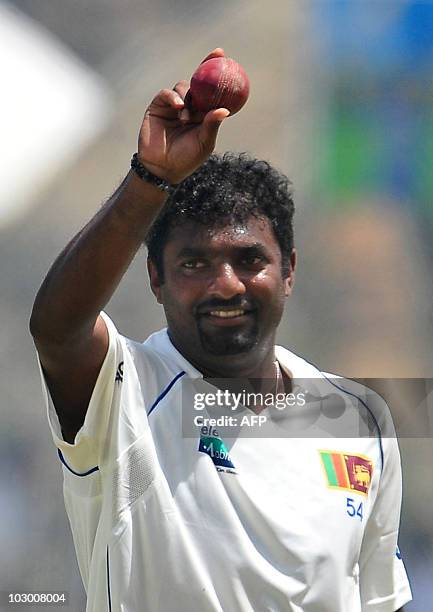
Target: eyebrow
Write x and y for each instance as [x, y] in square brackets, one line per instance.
[255, 247]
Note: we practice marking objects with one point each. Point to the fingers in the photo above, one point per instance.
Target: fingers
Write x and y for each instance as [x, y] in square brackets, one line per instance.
[216, 116]
[188, 114]
[177, 99]
[181, 88]
[218, 52]
[210, 126]
[171, 103]
[169, 97]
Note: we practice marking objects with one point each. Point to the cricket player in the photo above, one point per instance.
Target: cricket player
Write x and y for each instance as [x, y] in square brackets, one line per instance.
[171, 505]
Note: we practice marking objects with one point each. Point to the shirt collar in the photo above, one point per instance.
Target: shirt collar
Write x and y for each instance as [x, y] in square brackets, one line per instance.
[161, 343]
[293, 365]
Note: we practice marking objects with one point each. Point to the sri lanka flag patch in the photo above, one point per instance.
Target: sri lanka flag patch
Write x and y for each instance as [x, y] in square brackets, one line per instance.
[347, 472]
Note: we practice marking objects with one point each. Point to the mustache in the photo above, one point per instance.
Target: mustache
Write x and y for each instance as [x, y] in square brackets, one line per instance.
[235, 302]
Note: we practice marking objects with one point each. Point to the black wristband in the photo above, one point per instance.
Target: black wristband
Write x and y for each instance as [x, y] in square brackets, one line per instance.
[149, 177]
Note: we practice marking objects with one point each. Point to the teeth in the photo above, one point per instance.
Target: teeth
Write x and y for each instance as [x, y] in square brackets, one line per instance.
[225, 314]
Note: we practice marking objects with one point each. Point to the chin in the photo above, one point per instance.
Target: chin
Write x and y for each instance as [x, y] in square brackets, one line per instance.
[232, 343]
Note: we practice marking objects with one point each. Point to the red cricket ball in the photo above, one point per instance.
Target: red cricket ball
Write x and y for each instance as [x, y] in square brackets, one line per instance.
[219, 82]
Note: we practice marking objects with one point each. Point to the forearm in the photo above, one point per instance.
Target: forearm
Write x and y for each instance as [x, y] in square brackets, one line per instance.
[85, 275]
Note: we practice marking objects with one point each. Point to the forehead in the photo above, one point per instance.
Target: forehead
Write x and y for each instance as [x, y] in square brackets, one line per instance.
[253, 231]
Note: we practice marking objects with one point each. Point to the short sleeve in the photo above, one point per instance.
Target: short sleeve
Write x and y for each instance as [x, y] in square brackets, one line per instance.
[384, 585]
[83, 456]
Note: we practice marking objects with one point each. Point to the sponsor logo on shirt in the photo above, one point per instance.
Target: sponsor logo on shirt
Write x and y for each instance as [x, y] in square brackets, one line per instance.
[213, 446]
[347, 472]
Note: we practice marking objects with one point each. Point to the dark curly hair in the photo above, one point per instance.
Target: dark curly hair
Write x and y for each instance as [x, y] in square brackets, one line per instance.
[227, 189]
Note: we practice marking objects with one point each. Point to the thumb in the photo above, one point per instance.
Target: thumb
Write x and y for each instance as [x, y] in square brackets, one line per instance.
[210, 126]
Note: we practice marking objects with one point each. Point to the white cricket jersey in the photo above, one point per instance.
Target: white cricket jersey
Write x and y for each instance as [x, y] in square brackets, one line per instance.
[164, 520]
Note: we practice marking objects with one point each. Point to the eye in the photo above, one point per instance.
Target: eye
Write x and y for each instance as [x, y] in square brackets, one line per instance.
[253, 260]
[193, 264]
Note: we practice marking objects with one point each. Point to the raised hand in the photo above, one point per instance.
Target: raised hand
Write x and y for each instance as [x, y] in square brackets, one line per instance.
[174, 141]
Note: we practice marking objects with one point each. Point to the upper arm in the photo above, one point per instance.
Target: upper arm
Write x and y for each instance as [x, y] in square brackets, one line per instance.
[71, 370]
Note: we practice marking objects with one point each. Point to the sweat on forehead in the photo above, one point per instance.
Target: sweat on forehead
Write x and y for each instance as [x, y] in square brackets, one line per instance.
[191, 233]
[193, 229]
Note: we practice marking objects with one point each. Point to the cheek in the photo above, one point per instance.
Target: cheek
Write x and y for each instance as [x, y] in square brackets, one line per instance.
[180, 293]
[270, 285]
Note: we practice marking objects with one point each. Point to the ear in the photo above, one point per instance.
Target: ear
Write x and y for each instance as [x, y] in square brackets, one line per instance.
[289, 281]
[155, 281]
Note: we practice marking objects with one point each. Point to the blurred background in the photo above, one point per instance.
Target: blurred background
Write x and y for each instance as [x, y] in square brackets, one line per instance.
[341, 100]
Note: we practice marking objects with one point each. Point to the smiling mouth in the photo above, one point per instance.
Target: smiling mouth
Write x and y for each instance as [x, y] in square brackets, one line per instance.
[228, 314]
[234, 316]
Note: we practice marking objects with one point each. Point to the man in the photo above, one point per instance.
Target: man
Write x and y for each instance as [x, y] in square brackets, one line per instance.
[166, 518]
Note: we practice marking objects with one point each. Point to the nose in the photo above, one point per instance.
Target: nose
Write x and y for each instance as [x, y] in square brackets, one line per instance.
[226, 283]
